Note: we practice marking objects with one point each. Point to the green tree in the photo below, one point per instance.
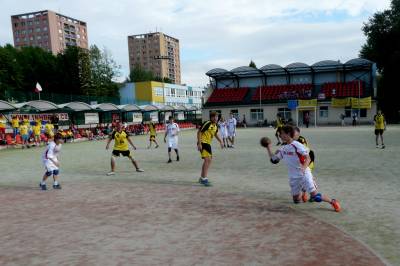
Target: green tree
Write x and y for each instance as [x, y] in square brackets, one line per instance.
[139, 74]
[383, 47]
[11, 78]
[252, 64]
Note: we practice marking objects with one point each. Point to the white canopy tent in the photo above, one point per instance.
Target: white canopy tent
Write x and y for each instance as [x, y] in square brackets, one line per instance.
[6, 106]
[76, 106]
[39, 105]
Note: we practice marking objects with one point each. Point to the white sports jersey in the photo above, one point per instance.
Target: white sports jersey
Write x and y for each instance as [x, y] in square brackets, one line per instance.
[51, 152]
[232, 124]
[223, 131]
[291, 154]
[172, 130]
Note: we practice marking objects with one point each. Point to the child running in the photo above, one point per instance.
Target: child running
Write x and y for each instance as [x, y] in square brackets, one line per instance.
[207, 131]
[51, 162]
[297, 160]
[171, 132]
[121, 140]
[153, 134]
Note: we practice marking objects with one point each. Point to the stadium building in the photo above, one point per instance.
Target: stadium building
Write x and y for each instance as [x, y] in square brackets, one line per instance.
[321, 92]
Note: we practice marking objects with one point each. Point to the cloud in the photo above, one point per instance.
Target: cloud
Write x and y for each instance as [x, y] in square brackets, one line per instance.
[219, 33]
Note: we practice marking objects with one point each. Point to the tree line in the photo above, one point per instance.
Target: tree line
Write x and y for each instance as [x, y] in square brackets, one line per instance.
[74, 71]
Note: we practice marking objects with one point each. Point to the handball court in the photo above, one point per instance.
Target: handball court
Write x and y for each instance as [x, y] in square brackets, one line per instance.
[163, 217]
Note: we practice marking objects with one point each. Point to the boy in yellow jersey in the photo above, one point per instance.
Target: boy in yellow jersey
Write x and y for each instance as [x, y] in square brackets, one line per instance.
[15, 125]
[49, 130]
[279, 125]
[153, 134]
[37, 128]
[205, 134]
[121, 140]
[380, 127]
[24, 131]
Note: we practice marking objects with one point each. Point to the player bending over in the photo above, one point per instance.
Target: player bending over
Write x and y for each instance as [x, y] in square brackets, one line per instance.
[153, 134]
[205, 134]
[121, 140]
[171, 132]
[51, 162]
[297, 159]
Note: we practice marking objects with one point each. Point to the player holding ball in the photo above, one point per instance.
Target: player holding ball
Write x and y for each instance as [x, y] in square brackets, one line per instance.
[297, 159]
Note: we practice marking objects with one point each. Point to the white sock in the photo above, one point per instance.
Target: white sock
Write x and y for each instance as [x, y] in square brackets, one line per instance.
[55, 183]
[43, 182]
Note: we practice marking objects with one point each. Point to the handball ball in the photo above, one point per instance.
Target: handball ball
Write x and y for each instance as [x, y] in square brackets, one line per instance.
[265, 141]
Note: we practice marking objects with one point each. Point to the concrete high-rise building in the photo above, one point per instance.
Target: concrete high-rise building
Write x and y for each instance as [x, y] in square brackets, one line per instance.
[156, 52]
[48, 30]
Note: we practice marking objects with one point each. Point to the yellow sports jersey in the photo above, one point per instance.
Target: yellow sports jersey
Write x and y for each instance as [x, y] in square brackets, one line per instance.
[208, 131]
[120, 141]
[23, 129]
[303, 141]
[2, 123]
[379, 121]
[279, 123]
[49, 128]
[36, 130]
[69, 133]
[152, 129]
[15, 123]
[38, 122]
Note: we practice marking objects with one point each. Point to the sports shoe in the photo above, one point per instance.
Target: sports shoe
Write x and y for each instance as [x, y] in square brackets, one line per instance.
[377, 146]
[383, 146]
[139, 170]
[304, 197]
[177, 158]
[111, 173]
[205, 182]
[58, 186]
[43, 186]
[169, 161]
[335, 204]
[157, 146]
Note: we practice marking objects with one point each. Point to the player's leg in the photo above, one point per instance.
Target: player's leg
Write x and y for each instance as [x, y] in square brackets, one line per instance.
[381, 136]
[150, 141]
[155, 142]
[233, 140]
[177, 154]
[44, 178]
[169, 155]
[315, 196]
[112, 172]
[206, 155]
[204, 169]
[135, 164]
[377, 138]
[56, 184]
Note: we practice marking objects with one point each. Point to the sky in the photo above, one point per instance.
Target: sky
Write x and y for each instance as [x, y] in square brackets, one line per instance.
[218, 34]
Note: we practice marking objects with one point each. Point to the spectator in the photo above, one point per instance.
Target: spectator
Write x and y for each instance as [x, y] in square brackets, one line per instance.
[15, 125]
[342, 116]
[307, 119]
[244, 121]
[354, 119]
[54, 121]
[2, 127]
[24, 130]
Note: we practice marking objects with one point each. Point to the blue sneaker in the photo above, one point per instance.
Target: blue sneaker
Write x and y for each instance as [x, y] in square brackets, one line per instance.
[43, 186]
[58, 186]
[205, 182]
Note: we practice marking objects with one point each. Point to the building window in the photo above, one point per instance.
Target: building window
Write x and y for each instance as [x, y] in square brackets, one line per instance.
[257, 114]
[37, 29]
[323, 111]
[285, 113]
[158, 91]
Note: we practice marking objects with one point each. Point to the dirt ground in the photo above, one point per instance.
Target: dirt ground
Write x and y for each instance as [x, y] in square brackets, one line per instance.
[162, 217]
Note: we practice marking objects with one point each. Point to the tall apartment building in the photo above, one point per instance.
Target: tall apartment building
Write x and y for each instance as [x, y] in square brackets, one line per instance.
[48, 30]
[156, 52]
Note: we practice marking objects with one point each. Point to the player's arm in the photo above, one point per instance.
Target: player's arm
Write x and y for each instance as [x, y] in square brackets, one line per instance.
[166, 133]
[130, 142]
[199, 139]
[219, 140]
[50, 155]
[274, 156]
[110, 138]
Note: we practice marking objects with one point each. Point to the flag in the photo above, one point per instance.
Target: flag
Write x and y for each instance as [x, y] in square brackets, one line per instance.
[38, 87]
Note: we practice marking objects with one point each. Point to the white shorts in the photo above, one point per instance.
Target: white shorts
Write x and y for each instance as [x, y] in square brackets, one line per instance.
[49, 165]
[223, 134]
[173, 143]
[302, 182]
[231, 133]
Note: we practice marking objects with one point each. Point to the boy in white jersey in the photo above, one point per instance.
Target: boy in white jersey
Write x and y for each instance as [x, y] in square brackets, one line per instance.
[171, 132]
[297, 159]
[51, 162]
[223, 131]
[231, 125]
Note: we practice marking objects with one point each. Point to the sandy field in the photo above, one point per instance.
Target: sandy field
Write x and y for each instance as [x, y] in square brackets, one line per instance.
[163, 217]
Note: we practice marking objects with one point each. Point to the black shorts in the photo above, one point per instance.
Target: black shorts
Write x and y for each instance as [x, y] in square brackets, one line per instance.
[206, 150]
[378, 132]
[124, 153]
